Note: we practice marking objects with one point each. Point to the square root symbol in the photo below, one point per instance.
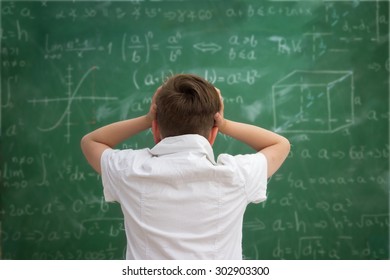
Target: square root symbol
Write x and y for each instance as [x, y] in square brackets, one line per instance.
[313, 101]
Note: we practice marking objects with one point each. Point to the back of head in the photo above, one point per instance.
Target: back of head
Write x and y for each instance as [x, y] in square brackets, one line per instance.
[186, 104]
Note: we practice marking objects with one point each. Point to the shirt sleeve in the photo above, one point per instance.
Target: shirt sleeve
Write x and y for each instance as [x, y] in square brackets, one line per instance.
[253, 169]
[108, 180]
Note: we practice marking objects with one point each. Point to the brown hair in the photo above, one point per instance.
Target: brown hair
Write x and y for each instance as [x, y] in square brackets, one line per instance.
[186, 104]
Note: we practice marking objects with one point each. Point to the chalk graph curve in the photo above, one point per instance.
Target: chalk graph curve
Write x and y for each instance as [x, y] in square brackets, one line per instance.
[70, 100]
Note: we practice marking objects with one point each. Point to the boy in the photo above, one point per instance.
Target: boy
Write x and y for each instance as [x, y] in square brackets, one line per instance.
[177, 201]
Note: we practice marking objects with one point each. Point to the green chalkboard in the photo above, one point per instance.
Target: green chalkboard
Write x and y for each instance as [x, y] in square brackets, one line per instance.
[314, 71]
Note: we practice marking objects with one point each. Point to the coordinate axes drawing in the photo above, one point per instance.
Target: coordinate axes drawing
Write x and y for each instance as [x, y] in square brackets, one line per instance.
[69, 99]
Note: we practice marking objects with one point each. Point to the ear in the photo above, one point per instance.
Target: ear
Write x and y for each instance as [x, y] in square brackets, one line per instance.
[156, 132]
[213, 134]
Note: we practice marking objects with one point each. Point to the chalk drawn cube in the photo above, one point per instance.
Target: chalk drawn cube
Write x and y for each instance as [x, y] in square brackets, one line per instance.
[313, 101]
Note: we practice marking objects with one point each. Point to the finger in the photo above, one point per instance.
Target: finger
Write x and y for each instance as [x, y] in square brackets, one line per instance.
[217, 118]
[156, 92]
[153, 110]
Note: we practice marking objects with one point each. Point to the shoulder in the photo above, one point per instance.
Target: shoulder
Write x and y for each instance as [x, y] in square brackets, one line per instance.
[119, 159]
[255, 158]
[246, 166]
[251, 171]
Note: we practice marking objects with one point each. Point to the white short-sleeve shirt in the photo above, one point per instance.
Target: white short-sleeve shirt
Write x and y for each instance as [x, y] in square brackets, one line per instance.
[178, 202]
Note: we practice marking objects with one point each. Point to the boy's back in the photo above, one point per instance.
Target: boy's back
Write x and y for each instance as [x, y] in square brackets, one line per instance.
[179, 203]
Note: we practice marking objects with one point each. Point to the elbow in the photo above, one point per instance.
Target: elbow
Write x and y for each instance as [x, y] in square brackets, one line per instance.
[84, 143]
[277, 156]
[286, 146]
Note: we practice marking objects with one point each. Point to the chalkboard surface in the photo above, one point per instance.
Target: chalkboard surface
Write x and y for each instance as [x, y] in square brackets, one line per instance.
[314, 71]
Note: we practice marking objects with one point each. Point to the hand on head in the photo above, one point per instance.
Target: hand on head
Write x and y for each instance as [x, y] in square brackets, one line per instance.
[153, 107]
[219, 119]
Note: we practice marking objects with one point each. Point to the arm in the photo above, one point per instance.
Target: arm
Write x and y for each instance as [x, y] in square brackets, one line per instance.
[95, 143]
[275, 147]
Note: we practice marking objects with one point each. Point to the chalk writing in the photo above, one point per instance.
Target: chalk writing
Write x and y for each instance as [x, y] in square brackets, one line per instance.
[78, 46]
[315, 72]
[140, 47]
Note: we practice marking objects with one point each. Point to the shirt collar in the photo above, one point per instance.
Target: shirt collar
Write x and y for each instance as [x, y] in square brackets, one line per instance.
[184, 143]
